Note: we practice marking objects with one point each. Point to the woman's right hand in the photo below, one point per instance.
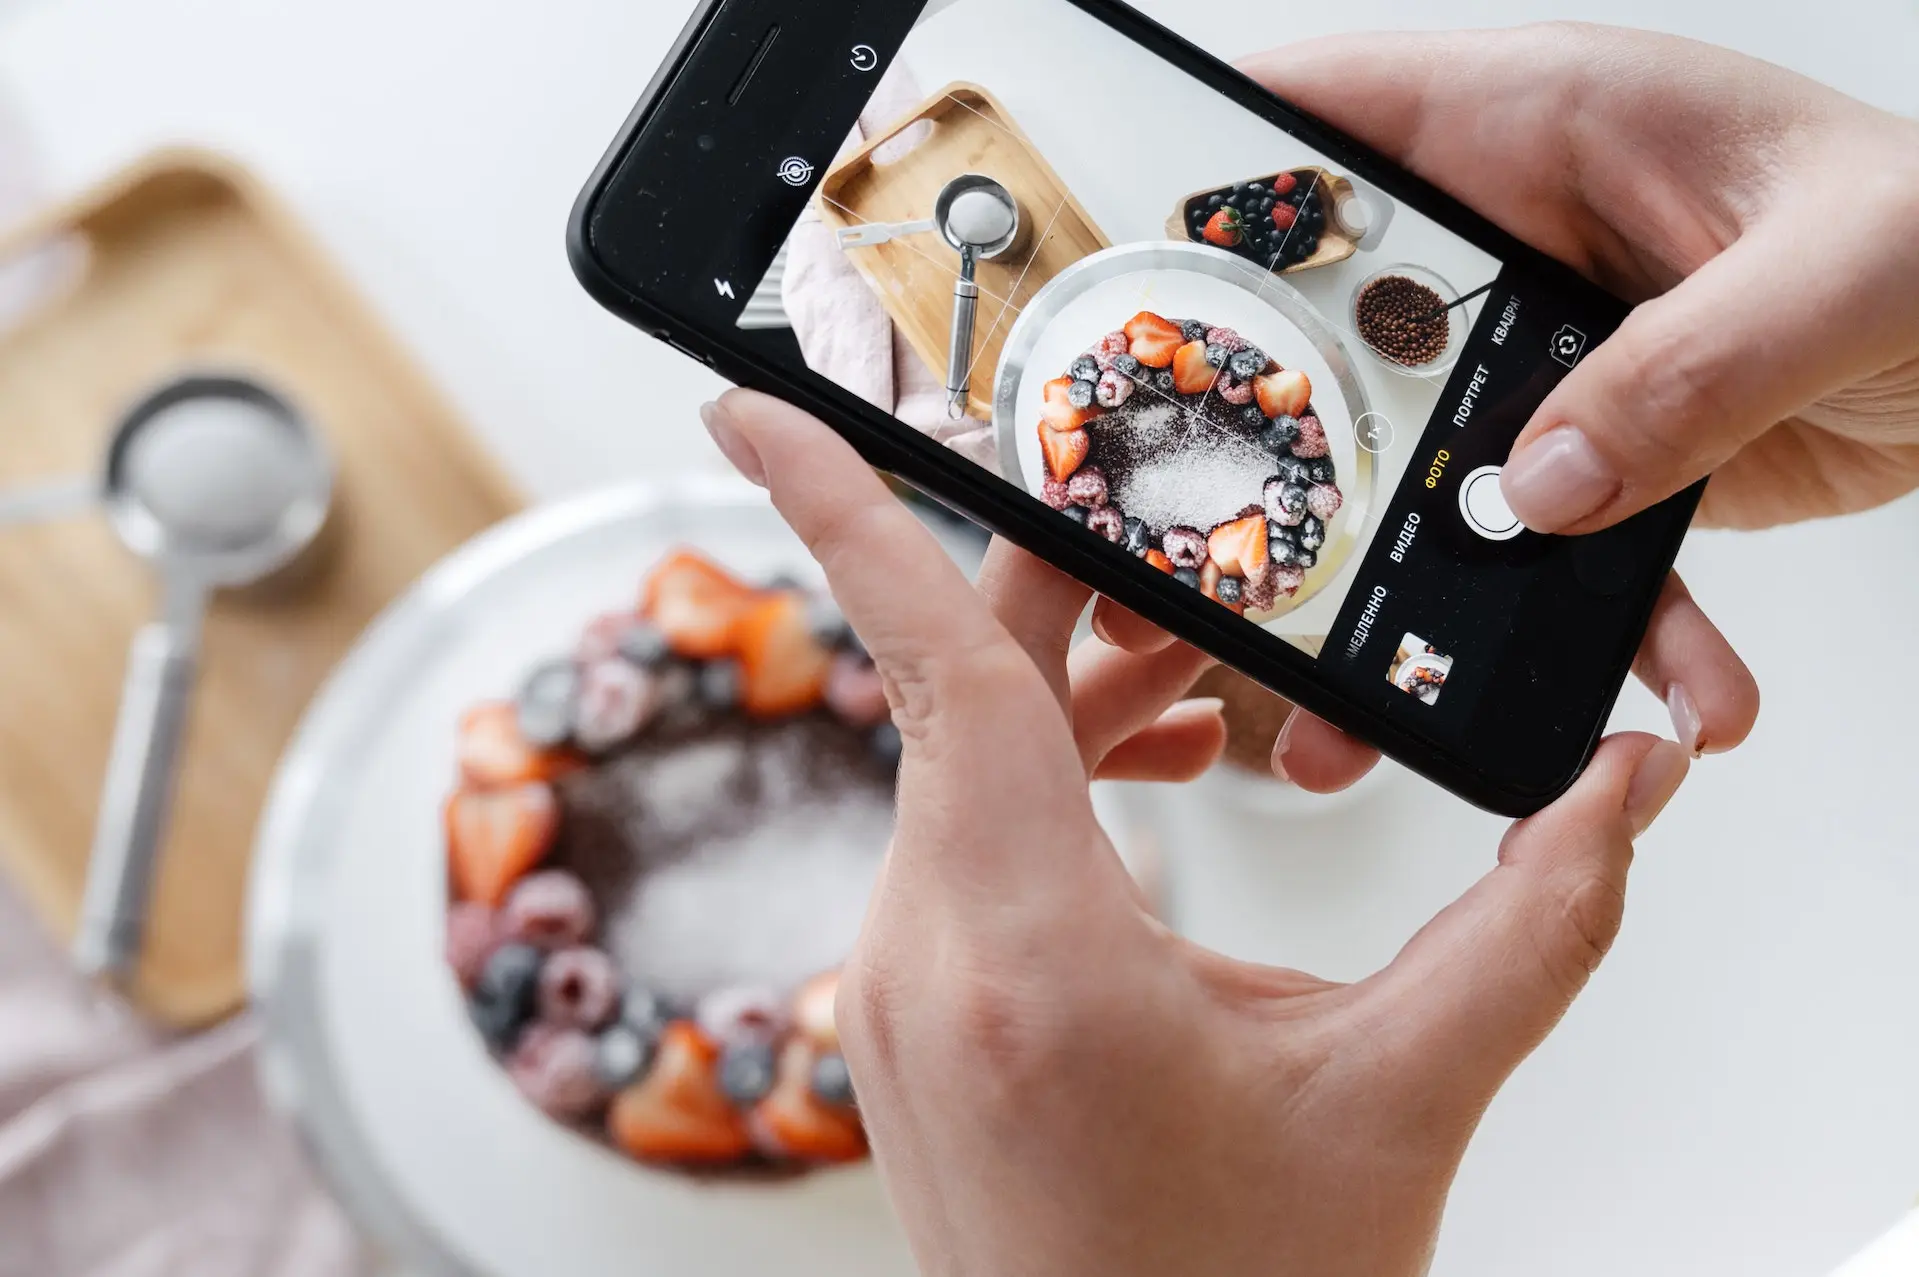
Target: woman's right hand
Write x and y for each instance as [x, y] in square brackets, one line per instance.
[1765, 224]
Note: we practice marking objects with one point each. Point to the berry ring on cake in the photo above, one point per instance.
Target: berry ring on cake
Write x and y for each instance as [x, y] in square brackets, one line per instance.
[1197, 451]
[642, 849]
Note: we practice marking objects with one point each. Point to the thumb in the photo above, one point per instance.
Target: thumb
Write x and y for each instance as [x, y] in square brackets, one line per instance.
[1481, 986]
[1693, 376]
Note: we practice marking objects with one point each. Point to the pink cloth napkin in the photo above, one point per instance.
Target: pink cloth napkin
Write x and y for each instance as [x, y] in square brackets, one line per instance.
[125, 1153]
[843, 330]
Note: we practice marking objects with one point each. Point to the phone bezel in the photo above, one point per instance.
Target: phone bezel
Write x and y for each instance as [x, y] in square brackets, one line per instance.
[1009, 512]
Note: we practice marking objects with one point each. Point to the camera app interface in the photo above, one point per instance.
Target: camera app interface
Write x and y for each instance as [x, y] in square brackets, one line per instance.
[1181, 328]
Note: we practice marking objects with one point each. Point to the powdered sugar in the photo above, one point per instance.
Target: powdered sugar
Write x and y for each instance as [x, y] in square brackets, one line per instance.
[1201, 484]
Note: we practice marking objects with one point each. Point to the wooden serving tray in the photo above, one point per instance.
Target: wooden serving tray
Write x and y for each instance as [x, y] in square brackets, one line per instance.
[1335, 245]
[189, 261]
[913, 276]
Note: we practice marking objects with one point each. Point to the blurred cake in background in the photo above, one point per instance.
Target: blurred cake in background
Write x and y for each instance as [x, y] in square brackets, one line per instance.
[659, 851]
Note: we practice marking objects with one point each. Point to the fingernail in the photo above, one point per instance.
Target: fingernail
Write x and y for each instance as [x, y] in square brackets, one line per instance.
[1196, 707]
[1284, 743]
[1660, 774]
[1685, 720]
[1557, 480]
[1099, 629]
[726, 433]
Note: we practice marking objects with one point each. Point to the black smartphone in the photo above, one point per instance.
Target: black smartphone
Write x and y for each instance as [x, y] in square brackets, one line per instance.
[1061, 270]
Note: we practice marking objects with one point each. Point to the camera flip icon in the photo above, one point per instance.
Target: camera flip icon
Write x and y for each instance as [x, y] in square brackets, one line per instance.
[1568, 345]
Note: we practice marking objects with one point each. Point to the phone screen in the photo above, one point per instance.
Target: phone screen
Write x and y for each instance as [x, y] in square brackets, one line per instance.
[1188, 331]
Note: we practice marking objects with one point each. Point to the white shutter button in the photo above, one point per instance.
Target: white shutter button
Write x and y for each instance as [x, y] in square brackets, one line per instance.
[1484, 507]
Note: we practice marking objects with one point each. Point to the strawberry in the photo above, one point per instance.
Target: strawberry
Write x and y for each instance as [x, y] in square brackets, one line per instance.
[1154, 340]
[1064, 449]
[1285, 184]
[491, 750]
[1209, 580]
[1227, 229]
[677, 1112]
[695, 604]
[1159, 560]
[792, 1122]
[785, 665]
[1192, 375]
[1239, 547]
[1284, 393]
[1284, 215]
[494, 837]
[1059, 411]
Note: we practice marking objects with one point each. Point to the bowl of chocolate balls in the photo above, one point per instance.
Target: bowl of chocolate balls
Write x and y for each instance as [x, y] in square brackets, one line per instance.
[1404, 315]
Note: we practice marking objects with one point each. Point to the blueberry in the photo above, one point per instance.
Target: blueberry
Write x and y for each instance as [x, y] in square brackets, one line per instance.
[1308, 245]
[886, 745]
[1279, 435]
[1080, 394]
[498, 1024]
[622, 1055]
[747, 1072]
[1139, 538]
[643, 644]
[1307, 559]
[1086, 368]
[1312, 533]
[1235, 200]
[1280, 538]
[1193, 330]
[1231, 589]
[1200, 219]
[1253, 417]
[1292, 469]
[504, 996]
[1077, 513]
[1266, 205]
[1127, 366]
[646, 1012]
[782, 581]
[1214, 201]
[1320, 469]
[1247, 364]
[1163, 380]
[720, 684]
[1256, 188]
[1186, 576]
[1218, 356]
[545, 704]
[832, 1082]
[826, 623]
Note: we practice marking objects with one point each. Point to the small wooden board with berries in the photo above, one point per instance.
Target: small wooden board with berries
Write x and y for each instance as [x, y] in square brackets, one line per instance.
[960, 129]
[1240, 218]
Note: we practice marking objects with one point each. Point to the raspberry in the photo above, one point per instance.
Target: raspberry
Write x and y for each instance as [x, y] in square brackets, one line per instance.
[1115, 388]
[1260, 592]
[855, 692]
[550, 910]
[1287, 580]
[554, 1069]
[1186, 547]
[1114, 344]
[1324, 500]
[1054, 493]
[1087, 487]
[615, 699]
[1234, 391]
[601, 639]
[742, 1015]
[1108, 522]
[1226, 337]
[1284, 215]
[472, 932]
[1312, 439]
[1285, 504]
[579, 989]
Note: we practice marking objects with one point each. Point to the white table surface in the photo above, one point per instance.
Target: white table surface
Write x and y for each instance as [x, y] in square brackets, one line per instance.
[1739, 1091]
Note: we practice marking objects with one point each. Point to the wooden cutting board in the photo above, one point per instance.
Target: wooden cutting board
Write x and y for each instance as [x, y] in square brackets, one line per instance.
[186, 260]
[961, 129]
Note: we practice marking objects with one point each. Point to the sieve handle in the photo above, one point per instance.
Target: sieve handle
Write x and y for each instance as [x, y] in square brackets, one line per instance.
[134, 803]
[959, 352]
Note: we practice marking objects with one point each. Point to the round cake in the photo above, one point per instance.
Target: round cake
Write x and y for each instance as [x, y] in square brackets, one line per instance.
[1190, 446]
[658, 852]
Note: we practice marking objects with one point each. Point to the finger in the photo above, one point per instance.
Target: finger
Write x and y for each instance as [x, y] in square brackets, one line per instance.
[1687, 663]
[1037, 603]
[1480, 987]
[1695, 375]
[1318, 757]
[1124, 628]
[1117, 694]
[1186, 741]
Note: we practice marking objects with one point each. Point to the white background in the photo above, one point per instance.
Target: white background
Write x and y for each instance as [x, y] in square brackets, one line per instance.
[1739, 1091]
